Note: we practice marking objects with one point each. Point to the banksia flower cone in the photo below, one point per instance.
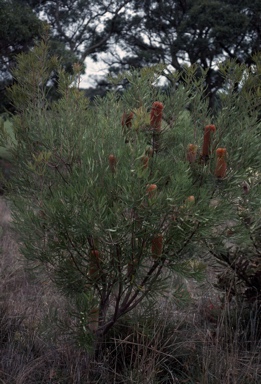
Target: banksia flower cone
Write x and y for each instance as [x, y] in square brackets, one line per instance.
[190, 199]
[126, 119]
[112, 163]
[221, 165]
[145, 161]
[151, 190]
[192, 153]
[157, 246]
[209, 129]
[156, 116]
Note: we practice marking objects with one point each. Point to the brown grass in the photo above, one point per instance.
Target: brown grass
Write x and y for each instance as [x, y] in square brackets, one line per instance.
[202, 343]
[31, 349]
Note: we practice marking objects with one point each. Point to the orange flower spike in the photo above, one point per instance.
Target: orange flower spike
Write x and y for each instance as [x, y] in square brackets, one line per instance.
[190, 199]
[127, 119]
[192, 153]
[207, 139]
[156, 115]
[151, 190]
[221, 164]
[145, 161]
[112, 163]
[157, 246]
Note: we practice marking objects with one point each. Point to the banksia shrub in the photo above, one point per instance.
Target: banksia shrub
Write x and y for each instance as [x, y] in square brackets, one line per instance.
[66, 154]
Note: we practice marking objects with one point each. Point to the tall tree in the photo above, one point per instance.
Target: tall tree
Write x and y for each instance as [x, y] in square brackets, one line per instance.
[19, 26]
[85, 27]
[191, 31]
[143, 32]
[78, 28]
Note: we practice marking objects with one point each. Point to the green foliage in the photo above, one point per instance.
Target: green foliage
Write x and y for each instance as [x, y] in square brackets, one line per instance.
[19, 26]
[110, 229]
[19, 29]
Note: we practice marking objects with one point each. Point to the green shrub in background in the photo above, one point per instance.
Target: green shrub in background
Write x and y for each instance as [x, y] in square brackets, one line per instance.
[114, 199]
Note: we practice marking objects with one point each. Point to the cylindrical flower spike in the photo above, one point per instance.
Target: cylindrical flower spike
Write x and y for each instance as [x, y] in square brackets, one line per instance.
[207, 140]
[127, 119]
[190, 199]
[157, 246]
[112, 163]
[145, 161]
[221, 164]
[192, 153]
[156, 116]
[151, 190]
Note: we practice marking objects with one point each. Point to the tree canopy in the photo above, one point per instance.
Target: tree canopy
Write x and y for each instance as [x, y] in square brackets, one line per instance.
[137, 33]
[85, 27]
[192, 31]
[19, 26]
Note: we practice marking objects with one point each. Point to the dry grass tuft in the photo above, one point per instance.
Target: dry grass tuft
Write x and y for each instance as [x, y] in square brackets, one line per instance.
[208, 342]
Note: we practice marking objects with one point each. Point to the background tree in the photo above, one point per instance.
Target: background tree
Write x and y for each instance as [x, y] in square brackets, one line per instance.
[19, 26]
[191, 31]
[78, 28]
[129, 33]
[84, 27]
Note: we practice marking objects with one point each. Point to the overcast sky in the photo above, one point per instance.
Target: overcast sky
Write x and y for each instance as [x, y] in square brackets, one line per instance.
[93, 69]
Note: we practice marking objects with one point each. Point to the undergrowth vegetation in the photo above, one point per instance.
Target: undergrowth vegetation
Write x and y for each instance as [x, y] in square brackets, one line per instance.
[202, 341]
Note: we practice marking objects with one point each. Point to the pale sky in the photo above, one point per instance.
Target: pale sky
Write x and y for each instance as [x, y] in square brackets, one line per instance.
[98, 69]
